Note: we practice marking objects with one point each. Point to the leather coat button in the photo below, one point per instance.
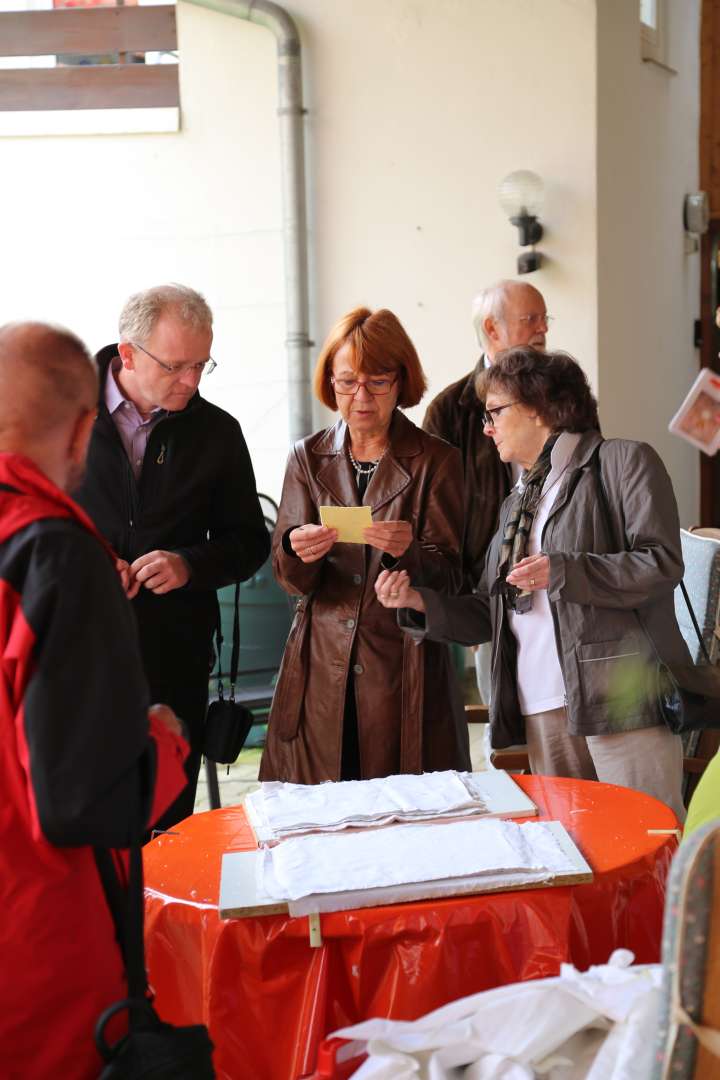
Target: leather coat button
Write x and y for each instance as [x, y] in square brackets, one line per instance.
[358, 669]
[357, 579]
[350, 623]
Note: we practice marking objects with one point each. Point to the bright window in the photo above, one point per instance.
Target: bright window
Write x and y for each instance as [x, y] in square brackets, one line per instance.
[653, 31]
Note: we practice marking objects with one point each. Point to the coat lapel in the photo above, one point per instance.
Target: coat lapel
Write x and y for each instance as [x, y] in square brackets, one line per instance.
[579, 460]
[335, 474]
[391, 477]
[333, 471]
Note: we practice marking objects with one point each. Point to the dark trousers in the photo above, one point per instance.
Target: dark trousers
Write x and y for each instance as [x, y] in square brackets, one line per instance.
[176, 648]
[350, 767]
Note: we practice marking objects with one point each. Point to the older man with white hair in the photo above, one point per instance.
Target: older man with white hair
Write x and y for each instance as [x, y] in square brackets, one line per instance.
[506, 314]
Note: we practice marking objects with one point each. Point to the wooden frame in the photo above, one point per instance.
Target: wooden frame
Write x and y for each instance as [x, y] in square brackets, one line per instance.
[85, 31]
[124, 31]
[710, 182]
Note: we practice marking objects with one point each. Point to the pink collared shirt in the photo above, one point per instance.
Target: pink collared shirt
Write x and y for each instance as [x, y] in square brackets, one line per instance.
[134, 432]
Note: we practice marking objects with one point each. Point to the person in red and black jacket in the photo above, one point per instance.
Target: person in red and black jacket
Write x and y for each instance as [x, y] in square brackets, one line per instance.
[83, 758]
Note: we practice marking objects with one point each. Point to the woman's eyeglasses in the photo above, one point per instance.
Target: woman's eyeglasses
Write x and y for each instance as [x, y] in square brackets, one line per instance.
[490, 415]
[375, 386]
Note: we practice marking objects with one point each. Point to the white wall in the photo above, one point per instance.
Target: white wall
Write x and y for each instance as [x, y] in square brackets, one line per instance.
[87, 220]
[648, 288]
[416, 110]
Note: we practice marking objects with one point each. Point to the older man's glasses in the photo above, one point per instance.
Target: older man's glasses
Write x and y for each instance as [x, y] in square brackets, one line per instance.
[375, 386]
[534, 319]
[202, 367]
[490, 415]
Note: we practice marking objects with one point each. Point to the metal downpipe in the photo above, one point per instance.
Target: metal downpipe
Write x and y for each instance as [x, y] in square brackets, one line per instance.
[292, 162]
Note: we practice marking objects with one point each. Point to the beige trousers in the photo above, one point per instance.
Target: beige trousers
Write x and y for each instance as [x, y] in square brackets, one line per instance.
[649, 759]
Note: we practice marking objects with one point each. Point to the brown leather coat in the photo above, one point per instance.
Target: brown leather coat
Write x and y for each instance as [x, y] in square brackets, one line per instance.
[456, 414]
[406, 694]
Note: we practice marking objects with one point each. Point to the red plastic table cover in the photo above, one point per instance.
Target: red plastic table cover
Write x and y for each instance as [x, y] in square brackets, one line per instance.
[269, 998]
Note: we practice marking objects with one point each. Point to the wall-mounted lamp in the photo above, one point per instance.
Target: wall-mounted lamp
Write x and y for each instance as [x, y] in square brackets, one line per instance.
[696, 219]
[521, 196]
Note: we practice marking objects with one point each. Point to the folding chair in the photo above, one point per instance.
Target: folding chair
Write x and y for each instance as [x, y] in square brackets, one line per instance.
[688, 1046]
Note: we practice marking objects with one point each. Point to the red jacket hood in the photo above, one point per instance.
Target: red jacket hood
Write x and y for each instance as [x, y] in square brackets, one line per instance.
[41, 499]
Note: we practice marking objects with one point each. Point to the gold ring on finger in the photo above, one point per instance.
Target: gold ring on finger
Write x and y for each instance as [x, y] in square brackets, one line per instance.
[532, 580]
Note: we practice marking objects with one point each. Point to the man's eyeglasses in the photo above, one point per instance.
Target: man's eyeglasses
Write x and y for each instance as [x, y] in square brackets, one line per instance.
[375, 386]
[202, 367]
[490, 415]
[536, 320]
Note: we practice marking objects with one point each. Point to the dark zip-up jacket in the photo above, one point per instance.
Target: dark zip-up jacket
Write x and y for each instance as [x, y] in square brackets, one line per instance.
[196, 496]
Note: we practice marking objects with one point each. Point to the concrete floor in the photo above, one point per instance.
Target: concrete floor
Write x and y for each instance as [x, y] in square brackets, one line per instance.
[242, 777]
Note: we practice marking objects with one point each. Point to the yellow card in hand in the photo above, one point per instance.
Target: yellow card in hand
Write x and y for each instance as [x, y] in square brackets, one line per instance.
[348, 520]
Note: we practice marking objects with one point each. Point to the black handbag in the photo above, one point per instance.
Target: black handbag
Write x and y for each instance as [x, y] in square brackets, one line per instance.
[687, 696]
[228, 722]
[151, 1049]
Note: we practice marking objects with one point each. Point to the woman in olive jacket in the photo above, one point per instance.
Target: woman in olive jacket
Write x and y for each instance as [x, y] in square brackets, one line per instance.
[562, 585]
[355, 697]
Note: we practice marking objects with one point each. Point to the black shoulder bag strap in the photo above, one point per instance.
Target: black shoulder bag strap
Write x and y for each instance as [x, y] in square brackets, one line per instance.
[605, 509]
[235, 655]
[127, 910]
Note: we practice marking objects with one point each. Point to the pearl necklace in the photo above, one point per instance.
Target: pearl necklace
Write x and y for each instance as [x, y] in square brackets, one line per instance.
[364, 470]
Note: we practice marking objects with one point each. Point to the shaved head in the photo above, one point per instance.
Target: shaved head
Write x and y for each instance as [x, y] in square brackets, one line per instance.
[47, 379]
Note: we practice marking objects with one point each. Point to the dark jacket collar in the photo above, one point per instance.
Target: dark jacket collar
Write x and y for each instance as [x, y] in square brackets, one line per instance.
[469, 399]
[580, 459]
[585, 449]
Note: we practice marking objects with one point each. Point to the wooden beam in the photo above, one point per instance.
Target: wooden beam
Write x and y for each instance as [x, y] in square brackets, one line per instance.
[88, 31]
[710, 103]
[107, 86]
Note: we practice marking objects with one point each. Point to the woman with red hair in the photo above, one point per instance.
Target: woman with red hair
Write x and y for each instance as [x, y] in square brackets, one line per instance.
[355, 698]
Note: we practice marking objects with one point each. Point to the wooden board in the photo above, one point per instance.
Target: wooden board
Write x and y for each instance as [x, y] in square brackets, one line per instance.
[88, 31]
[239, 898]
[107, 86]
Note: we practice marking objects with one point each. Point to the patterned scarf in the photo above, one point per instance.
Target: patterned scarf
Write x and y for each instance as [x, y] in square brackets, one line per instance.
[517, 530]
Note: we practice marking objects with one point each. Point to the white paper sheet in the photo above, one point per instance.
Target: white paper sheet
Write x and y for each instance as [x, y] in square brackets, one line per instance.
[404, 854]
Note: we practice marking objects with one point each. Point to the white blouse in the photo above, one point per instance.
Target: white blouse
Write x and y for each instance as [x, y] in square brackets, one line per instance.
[539, 676]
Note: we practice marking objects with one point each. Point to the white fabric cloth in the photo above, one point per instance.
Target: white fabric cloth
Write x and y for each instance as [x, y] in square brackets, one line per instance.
[406, 854]
[482, 657]
[539, 677]
[279, 810]
[596, 1025]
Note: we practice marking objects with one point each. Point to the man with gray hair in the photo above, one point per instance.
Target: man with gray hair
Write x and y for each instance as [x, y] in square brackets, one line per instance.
[506, 314]
[171, 485]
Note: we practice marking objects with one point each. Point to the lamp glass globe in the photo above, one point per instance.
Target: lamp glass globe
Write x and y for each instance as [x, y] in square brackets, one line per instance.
[521, 193]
